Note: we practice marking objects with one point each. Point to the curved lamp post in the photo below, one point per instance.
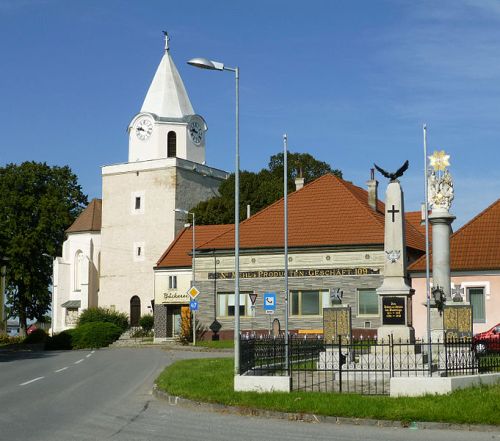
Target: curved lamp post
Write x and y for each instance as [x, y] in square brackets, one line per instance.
[204, 63]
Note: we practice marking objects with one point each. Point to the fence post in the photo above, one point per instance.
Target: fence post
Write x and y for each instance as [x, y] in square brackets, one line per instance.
[445, 346]
[340, 363]
[391, 354]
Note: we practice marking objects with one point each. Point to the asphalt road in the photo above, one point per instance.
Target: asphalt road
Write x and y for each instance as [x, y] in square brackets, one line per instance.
[106, 394]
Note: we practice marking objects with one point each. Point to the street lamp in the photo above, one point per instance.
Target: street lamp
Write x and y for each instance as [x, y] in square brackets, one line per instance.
[178, 210]
[204, 63]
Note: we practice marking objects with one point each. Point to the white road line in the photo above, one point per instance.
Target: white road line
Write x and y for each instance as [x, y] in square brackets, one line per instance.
[92, 352]
[31, 381]
[88, 355]
[62, 369]
[79, 361]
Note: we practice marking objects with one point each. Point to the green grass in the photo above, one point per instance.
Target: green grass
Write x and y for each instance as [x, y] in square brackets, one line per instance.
[220, 344]
[211, 380]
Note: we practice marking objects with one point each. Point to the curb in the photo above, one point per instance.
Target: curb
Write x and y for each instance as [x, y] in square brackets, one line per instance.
[311, 418]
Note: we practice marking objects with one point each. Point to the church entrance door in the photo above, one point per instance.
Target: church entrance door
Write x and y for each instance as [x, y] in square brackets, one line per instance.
[135, 311]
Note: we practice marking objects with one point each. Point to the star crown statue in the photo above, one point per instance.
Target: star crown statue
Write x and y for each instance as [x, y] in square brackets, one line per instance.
[440, 188]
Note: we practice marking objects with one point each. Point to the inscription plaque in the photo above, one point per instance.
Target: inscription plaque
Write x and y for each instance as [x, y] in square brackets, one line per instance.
[457, 321]
[393, 310]
[337, 322]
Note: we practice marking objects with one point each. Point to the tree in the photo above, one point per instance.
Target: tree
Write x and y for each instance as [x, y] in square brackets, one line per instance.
[260, 189]
[37, 203]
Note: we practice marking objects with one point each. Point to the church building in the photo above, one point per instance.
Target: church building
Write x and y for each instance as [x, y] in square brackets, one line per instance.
[165, 171]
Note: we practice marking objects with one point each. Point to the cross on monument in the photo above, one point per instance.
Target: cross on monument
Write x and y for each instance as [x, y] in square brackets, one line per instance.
[393, 212]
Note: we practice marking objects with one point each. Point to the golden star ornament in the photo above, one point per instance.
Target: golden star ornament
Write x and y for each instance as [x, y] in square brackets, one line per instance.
[440, 160]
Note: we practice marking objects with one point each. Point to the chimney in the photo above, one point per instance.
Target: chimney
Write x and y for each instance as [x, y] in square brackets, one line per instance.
[372, 190]
[299, 180]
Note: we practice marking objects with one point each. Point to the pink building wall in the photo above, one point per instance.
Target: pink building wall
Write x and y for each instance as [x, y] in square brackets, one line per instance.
[490, 283]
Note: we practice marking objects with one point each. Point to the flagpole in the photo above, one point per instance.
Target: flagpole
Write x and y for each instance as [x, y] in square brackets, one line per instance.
[285, 192]
[427, 271]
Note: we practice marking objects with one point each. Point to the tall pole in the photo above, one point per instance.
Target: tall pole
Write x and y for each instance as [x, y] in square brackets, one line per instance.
[194, 276]
[427, 270]
[237, 232]
[285, 216]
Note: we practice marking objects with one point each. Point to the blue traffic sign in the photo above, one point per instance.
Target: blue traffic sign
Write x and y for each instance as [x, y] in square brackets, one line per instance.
[269, 301]
[193, 305]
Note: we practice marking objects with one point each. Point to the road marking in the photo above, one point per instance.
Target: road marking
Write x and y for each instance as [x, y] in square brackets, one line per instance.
[92, 352]
[79, 361]
[88, 355]
[31, 381]
[62, 369]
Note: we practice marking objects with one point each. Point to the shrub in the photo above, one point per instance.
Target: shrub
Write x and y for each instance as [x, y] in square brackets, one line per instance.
[103, 315]
[95, 335]
[6, 339]
[37, 336]
[61, 341]
[146, 323]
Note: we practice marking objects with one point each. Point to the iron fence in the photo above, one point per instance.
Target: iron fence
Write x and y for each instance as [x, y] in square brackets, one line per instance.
[363, 366]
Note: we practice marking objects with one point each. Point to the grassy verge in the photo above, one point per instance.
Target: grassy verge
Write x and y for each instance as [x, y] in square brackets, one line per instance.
[211, 380]
[221, 344]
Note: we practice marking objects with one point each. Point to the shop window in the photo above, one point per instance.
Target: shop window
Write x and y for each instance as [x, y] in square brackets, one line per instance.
[476, 299]
[309, 302]
[225, 305]
[368, 302]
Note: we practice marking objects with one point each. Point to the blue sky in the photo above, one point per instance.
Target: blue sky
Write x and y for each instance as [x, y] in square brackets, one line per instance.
[351, 82]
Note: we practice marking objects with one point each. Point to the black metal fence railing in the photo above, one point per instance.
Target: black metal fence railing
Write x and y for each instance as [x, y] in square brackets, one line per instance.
[363, 366]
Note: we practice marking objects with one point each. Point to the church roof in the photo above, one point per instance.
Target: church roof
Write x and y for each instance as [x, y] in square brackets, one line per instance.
[179, 252]
[167, 96]
[89, 219]
[475, 246]
[327, 212]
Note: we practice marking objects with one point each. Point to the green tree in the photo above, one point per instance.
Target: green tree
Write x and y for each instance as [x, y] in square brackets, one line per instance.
[260, 189]
[37, 203]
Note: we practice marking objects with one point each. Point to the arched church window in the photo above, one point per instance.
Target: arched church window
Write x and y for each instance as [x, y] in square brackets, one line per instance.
[171, 144]
[78, 270]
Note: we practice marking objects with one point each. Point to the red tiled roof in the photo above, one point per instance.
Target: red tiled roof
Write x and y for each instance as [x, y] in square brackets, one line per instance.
[179, 252]
[327, 212]
[89, 219]
[475, 246]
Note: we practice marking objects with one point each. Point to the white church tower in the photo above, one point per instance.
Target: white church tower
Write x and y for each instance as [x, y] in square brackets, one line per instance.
[165, 170]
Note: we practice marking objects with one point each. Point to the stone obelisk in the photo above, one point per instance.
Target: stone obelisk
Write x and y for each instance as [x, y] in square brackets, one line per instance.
[395, 295]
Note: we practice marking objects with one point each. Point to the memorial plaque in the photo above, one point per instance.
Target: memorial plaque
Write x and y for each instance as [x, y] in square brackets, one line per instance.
[393, 310]
[337, 322]
[457, 322]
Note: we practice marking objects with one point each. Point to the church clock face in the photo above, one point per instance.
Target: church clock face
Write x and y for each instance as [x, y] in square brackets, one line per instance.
[144, 128]
[195, 129]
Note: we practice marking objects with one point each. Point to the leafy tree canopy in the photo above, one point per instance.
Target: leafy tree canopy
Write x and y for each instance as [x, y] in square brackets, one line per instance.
[260, 189]
[37, 203]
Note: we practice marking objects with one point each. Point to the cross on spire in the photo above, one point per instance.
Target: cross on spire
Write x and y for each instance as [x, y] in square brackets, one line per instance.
[393, 211]
[167, 39]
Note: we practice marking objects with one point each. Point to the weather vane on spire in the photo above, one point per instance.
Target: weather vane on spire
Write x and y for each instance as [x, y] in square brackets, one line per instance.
[167, 39]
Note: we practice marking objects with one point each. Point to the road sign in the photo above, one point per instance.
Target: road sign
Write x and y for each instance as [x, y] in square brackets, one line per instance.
[193, 292]
[270, 311]
[269, 301]
[253, 297]
[193, 305]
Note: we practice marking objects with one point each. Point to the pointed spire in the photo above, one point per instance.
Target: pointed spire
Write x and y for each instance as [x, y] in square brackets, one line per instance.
[167, 96]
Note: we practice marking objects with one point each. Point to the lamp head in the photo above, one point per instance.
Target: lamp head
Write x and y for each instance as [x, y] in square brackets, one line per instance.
[204, 63]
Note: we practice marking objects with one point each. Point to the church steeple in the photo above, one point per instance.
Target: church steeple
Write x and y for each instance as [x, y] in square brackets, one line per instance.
[167, 96]
[166, 126]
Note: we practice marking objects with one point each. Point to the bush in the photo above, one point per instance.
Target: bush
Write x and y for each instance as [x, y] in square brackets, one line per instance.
[95, 335]
[61, 341]
[8, 340]
[146, 323]
[103, 315]
[37, 336]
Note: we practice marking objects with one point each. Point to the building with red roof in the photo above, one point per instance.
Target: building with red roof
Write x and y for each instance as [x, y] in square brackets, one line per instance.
[335, 240]
[475, 268]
